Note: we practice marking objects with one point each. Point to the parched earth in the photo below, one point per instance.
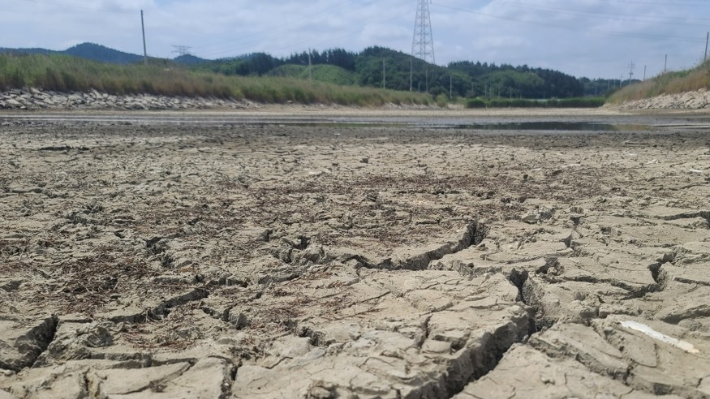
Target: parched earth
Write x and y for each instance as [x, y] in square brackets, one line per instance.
[149, 261]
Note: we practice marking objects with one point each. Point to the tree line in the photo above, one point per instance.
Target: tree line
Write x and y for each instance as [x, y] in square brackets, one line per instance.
[402, 72]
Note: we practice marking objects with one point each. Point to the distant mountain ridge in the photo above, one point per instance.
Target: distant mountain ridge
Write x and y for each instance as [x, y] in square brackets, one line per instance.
[28, 50]
[97, 52]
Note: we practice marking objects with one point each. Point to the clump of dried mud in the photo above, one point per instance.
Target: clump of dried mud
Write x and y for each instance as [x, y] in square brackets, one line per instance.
[326, 262]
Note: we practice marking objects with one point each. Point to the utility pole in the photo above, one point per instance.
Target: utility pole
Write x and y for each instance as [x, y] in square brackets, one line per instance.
[310, 64]
[707, 40]
[427, 80]
[145, 50]
[411, 72]
[665, 65]
[632, 66]
[384, 75]
[451, 87]
[644, 73]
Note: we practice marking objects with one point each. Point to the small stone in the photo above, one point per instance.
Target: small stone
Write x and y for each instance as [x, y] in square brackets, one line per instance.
[319, 393]
[531, 217]
[13, 103]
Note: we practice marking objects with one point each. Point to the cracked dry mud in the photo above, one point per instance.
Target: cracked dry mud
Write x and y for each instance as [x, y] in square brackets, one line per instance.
[335, 262]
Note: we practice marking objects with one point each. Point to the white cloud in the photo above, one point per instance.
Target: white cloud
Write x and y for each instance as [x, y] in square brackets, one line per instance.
[582, 37]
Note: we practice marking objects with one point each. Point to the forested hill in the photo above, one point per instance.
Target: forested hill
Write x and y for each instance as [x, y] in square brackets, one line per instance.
[338, 66]
[465, 79]
[100, 53]
[97, 52]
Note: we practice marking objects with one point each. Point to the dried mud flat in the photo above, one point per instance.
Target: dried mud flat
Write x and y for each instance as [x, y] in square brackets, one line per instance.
[144, 261]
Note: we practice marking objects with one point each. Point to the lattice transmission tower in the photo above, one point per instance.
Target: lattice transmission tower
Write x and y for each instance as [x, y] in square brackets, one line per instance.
[423, 43]
[182, 50]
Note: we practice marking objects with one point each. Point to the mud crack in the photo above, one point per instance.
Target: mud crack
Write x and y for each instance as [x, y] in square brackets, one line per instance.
[473, 234]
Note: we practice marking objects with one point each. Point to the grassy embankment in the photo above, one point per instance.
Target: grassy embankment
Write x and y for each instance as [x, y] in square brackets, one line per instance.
[591, 102]
[669, 83]
[66, 74]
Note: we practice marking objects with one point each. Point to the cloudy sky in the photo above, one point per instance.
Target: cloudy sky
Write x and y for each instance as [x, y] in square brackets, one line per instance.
[594, 38]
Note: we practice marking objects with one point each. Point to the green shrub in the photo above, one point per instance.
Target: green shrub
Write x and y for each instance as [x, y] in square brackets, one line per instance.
[592, 102]
[586, 102]
[71, 82]
[53, 81]
[442, 100]
[17, 80]
[475, 103]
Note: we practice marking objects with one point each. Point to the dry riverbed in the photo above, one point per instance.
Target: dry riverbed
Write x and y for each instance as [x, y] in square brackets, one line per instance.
[146, 260]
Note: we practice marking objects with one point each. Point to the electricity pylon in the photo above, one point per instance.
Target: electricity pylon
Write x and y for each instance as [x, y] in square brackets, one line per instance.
[182, 50]
[423, 43]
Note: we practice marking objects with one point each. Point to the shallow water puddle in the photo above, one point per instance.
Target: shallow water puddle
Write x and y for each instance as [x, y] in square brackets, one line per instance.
[547, 126]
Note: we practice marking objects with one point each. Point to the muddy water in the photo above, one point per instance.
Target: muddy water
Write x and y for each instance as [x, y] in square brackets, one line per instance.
[471, 121]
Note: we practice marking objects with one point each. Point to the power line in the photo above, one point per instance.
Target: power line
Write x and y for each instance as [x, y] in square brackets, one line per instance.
[315, 43]
[173, 22]
[326, 38]
[309, 18]
[615, 17]
[345, 33]
[576, 29]
[64, 4]
[674, 4]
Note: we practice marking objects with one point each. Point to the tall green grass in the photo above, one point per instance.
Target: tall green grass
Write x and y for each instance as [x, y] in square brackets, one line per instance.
[65, 73]
[669, 83]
